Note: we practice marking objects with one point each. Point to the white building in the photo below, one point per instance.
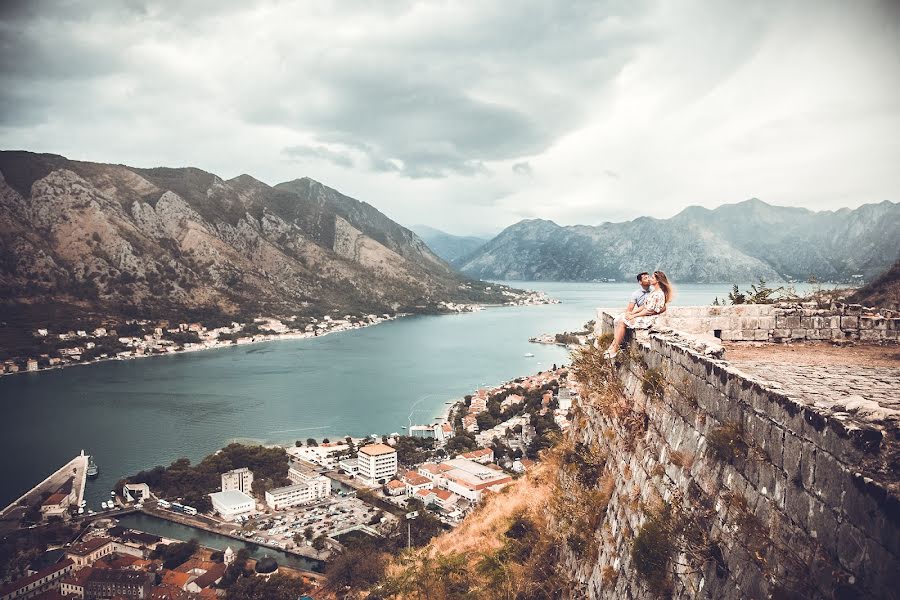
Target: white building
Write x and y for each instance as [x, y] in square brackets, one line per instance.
[466, 478]
[135, 492]
[231, 504]
[320, 485]
[377, 463]
[292, 495]
[238, 479]
[350, 466]
[325, 454]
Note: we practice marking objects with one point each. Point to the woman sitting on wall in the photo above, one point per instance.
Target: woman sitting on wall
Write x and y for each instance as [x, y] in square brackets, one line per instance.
[643, 317]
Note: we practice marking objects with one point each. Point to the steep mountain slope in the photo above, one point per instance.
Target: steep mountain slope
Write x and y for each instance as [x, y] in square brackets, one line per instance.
[883, 292]
[738, 242]
[115, 240]
[449, 247]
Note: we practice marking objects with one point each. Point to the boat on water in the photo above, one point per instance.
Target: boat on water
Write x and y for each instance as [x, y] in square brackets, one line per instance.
[529, 355]
[92, 469]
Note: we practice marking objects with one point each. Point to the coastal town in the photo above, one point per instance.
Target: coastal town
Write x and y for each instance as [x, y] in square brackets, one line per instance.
[136, 338]
[311, 500]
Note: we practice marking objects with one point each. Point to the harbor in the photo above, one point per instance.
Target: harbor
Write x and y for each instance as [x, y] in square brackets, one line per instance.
[53, 496]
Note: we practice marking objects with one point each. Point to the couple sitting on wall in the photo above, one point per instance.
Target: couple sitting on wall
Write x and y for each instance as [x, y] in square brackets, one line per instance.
[647, 302]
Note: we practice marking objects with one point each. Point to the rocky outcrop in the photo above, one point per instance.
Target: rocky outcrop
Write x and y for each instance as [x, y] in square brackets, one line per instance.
[739, 242]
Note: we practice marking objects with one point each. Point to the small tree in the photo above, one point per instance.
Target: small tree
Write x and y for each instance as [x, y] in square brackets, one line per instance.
[311, 442]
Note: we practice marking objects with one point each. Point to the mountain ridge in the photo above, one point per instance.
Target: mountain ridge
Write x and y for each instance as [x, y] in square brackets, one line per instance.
[114, 241]
[732, 242]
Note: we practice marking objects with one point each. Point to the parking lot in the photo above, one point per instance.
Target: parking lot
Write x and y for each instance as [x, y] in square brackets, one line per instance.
[330, 517]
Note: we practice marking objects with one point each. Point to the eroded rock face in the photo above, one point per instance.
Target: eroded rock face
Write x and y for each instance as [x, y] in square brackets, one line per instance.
[111, 236]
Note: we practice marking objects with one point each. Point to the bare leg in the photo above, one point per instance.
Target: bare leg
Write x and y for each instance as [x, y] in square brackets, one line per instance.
[618, 336]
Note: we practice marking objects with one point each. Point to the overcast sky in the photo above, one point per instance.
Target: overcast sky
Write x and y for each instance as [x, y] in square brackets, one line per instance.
[469, 116]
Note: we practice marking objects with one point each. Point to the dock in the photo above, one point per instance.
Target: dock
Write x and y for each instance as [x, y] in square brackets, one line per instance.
[77, 468]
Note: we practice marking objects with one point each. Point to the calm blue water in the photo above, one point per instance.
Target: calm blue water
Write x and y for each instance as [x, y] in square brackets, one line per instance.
[132, 415]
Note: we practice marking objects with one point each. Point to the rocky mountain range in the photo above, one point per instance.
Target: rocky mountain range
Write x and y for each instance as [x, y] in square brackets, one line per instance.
[732, 243]
[446, 245]
[113, 240]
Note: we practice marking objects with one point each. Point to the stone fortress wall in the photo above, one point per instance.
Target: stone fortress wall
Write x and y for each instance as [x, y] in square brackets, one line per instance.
[810, 508]
[785, 321]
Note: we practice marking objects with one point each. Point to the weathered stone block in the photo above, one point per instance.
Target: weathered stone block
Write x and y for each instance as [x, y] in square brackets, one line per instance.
[798, 505]
[798, 334]
[849, 322]
[781, 334]
[867, 322]
[761, 335]
[871, 335]
[829, 479]
[834, 322]
[749, 322]
[851, 546]
[823, 525]
[767, 323]
[787, 322]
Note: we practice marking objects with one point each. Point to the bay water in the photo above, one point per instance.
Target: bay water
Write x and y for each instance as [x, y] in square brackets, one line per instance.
[135, 414]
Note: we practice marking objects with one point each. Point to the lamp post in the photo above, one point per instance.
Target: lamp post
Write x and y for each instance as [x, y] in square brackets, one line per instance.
[409, 517]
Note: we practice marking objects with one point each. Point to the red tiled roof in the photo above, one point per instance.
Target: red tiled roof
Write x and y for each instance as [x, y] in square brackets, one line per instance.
[24, 581]
[395, 485]
[78, 577]
[443, 494]
[176, 579]
[54, 500]
[91, 545]
[478, 453]
[415, 479]
[211, 576]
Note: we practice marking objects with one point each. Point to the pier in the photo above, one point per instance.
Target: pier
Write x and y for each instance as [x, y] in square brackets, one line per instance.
[77, 468]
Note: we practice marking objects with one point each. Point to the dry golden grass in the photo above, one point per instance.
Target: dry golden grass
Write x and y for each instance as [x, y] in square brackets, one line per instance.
[482, 531]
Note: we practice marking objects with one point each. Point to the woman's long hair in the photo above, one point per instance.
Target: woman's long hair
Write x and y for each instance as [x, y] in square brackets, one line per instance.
[665, 285]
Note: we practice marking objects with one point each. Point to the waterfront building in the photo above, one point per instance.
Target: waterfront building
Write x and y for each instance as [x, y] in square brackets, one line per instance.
[32, 585]
[109, 583]
[292, 495]
[301, 472]
[326, 455]
[238, 479]
[231, 504]
[565, 398]
[31, 364]
[57, 505]
[135, 492]
[350, 466]
[377, 463]
[84, 554]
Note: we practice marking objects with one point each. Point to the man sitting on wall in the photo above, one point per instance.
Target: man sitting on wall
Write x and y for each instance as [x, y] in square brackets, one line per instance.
[640, 295]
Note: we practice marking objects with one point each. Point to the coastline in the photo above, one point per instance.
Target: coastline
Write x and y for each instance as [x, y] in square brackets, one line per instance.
[530, 299]
[256, 339]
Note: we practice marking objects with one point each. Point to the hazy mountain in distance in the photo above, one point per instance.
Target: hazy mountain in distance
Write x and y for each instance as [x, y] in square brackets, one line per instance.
[114, 240]
[446, 245]
[734, 242]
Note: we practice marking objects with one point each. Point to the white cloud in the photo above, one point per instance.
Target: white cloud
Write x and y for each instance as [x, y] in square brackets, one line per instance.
[430, 110]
